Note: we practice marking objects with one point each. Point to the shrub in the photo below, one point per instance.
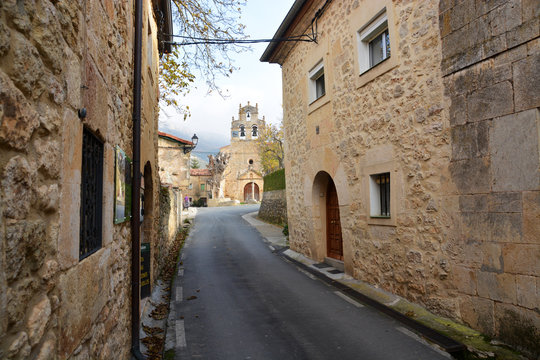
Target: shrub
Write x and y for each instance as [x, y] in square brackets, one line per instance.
[275, 180]
[198, 203]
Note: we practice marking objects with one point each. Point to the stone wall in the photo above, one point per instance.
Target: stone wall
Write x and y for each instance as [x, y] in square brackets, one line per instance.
[55, 58]
[174, 164]
[452, 116]
[392, 118]
[195, 191]
[274, 207]
[491, 63]
[170, 215]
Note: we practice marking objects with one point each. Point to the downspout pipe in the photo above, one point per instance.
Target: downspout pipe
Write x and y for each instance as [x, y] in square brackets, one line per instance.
[136, 191]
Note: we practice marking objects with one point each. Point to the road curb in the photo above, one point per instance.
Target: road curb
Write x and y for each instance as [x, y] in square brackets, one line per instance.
[451, 346]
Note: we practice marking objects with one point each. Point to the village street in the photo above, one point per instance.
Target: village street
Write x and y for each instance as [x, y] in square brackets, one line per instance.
[239, 300]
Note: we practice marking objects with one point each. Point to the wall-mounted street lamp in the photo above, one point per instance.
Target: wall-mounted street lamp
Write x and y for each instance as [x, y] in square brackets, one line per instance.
[194, 140]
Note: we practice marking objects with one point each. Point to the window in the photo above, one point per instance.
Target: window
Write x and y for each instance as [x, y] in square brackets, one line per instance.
[374, 43]
[250, 161]
[379, 189]
[254, 131]
[202, 187]
[317, 87]
[248, 116]
[91, 194]
[190, 186]
[242, 131]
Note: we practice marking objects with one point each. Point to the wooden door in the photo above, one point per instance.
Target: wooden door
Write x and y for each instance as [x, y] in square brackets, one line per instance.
[256, 191]
[247, 192]
[334, 240]
[251, 191]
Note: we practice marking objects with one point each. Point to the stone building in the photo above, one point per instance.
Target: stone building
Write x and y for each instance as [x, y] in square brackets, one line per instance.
[412, 151]
[199, 185]
[174, 160]
[242, 178]
[66, 111]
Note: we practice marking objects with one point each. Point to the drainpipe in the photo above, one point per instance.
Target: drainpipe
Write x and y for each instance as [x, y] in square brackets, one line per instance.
[136, 193]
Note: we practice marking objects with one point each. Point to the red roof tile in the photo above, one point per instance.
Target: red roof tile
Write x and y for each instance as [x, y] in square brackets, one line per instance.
[200, 172]
[172, 137]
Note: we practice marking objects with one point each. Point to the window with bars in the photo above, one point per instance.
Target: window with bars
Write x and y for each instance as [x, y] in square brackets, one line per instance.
[380, 195]
[91, 194]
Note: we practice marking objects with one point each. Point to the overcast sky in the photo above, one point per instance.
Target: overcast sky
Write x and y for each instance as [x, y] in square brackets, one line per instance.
[255, 82]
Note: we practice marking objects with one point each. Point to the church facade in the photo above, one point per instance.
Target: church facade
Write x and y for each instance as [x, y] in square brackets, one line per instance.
[242, 178]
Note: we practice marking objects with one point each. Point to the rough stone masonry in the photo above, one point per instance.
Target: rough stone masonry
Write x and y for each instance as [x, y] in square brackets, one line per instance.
[55, 58]
[452, 115]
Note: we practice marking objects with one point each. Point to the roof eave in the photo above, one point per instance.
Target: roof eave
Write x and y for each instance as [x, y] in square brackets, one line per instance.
[269, 53]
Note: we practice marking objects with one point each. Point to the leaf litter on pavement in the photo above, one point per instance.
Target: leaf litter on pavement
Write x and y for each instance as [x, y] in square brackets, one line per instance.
[155, 340]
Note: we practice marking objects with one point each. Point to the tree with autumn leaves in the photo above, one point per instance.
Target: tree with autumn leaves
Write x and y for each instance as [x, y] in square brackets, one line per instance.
[202, 26]
[270, 146]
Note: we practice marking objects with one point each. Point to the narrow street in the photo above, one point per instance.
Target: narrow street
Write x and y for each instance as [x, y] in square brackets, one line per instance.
[241, 301]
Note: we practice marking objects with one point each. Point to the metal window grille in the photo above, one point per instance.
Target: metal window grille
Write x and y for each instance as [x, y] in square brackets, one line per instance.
[91, 194]
[383, 180]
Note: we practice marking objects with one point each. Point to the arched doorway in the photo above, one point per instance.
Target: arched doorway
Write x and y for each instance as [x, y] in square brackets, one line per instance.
[251, 192]
[334, 240]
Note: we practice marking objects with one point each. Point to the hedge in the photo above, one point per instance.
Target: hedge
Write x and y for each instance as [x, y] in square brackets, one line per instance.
[275, 180]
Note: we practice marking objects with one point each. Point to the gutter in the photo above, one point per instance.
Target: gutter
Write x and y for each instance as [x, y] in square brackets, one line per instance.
[136, 194]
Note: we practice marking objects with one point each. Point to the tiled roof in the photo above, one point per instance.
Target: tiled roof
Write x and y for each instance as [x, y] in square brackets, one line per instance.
[172, 137]
[200, 172]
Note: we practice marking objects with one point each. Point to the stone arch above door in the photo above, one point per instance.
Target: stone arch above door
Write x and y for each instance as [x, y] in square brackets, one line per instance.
[326, 160]
[326, 217]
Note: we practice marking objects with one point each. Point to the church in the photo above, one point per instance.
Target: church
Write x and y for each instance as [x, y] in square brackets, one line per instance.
[242, 178]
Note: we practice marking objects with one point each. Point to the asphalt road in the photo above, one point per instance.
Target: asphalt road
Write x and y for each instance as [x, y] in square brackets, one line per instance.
[241, 301]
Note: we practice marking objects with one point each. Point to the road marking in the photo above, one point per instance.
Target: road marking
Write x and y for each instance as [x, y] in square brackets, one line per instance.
[180, 334]
[272, 248]
[183, 256]
[181, 272]
[348, 299]
[307, 273]
[412, 335]
[179, 294]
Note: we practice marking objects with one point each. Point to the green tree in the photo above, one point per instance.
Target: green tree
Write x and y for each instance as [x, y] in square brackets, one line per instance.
[195, 164]
[270, 146]
[197, 23]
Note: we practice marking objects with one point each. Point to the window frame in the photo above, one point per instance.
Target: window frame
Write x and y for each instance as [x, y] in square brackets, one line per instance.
[380, 195]
[97, 179]
[366, 35]
[315, 74]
